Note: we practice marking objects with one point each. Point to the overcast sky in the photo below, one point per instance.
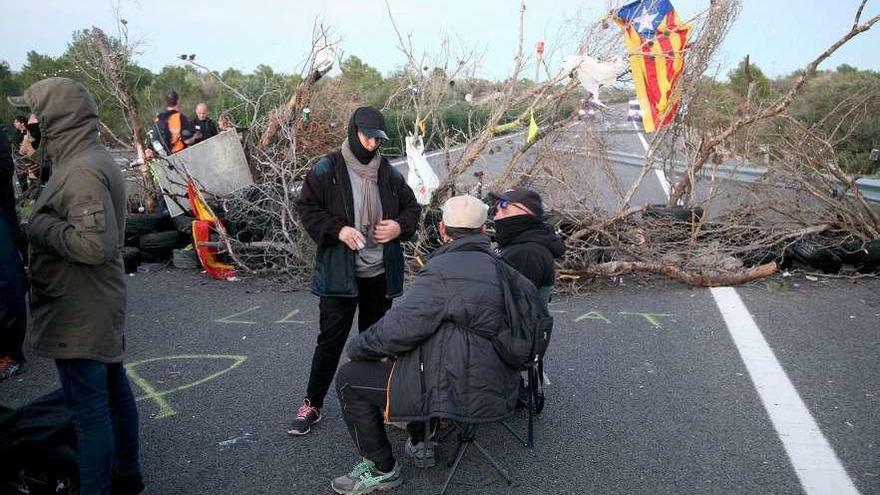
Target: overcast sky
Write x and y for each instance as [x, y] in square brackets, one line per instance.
[780, 35]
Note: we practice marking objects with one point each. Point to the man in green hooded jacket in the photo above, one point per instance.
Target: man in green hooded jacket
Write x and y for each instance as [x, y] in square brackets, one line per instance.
[77, 291]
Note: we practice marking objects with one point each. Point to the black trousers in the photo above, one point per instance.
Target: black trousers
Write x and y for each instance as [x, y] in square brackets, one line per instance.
[360, 386]
[13, 289]
[337, 314]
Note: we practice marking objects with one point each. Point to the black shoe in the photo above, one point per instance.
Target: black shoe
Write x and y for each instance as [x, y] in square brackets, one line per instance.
[306, 416]
[128, 484]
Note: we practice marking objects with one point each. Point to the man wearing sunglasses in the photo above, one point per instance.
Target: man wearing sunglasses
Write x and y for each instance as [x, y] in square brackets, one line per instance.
[524, 240]
[529, 245]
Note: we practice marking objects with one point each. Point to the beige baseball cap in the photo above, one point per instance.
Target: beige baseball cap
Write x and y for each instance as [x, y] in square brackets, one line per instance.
[464, 212]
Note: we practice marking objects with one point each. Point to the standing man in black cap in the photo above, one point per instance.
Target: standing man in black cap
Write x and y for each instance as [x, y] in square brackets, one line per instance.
[357, 208]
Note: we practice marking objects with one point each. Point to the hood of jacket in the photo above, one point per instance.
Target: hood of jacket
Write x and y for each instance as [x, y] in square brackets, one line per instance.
[475, 242]
[521, 229]
[68, 117]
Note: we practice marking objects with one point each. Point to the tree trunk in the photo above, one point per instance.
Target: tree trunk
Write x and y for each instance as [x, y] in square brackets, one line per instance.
[128, 102]
[698, 279]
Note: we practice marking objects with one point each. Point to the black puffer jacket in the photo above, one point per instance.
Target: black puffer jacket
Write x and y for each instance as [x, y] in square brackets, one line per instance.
[530, 246]
[325, 205]
[439, 332]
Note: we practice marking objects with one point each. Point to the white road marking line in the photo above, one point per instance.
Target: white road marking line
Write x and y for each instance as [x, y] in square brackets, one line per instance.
[814, 461]
[667, 187]
[817, 466]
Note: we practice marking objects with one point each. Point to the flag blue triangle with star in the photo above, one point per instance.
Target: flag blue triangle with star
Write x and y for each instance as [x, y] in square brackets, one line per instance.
[645, 15]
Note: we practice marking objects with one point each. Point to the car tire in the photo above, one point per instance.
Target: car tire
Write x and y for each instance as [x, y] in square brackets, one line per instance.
[678, 213]
[185, 259]
[183, 223]
[145, 223]
[810, 253]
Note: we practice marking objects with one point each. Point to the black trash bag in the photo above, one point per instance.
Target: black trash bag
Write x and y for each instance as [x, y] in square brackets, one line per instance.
[38, 448]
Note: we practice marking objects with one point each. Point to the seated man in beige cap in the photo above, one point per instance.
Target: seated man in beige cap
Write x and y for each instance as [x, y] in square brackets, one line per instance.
[430, 356]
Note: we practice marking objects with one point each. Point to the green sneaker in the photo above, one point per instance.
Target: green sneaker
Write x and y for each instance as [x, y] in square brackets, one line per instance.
[366, 478]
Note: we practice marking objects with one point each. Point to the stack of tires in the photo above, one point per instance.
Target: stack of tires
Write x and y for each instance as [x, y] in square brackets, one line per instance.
[863, 257]
[153, 238]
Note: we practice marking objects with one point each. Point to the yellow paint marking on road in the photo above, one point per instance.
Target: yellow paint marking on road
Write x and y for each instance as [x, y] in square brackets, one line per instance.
[228, 319]
[150, 392]
[649, 317]
[592, 315]
[287, 319]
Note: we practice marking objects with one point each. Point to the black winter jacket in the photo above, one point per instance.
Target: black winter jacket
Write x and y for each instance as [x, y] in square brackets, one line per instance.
[530, 246]
[325, 205]
[439, 332]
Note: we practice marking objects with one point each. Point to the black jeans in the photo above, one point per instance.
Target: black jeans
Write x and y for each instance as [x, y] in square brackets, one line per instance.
[337, 313]
[360, 386]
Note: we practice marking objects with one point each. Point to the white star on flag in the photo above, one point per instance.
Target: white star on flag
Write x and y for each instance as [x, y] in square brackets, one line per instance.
[645, 21]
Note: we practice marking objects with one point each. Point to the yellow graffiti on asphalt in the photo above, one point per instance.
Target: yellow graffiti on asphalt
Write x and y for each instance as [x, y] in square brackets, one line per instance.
[159, 396]
[234, 319]
[649, 317]
[287, 319]
[592, 315]
[229, 319]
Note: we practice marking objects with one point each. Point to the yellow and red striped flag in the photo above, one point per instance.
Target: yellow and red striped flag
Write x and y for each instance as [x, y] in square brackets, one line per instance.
[655, 40]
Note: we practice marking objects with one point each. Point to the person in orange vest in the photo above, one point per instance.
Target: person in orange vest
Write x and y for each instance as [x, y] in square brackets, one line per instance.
[173, 125]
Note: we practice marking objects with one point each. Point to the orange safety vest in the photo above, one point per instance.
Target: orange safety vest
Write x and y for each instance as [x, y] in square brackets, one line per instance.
[175, 126]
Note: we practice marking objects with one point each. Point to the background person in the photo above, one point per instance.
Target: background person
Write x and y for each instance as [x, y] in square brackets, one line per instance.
[26, 170]
[78, 291]
[225, 122]
[203, 127]
[13, 281]
[445, 364]
[173, 125]
[357, 209]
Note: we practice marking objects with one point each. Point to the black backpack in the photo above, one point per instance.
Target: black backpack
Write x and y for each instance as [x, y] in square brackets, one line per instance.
[524, 338]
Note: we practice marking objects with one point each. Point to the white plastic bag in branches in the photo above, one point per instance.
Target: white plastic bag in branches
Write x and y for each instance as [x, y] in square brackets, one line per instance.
[421, 177]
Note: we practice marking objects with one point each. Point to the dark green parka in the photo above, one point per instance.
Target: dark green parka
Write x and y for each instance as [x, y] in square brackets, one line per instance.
[76, 232]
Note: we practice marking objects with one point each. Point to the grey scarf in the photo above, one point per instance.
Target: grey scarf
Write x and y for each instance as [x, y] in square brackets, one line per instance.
[371, 206]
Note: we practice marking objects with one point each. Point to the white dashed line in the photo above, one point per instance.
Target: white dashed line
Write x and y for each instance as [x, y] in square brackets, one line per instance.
[667, 187]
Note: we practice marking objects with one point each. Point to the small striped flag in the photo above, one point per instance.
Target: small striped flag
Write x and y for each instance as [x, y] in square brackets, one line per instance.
[655, 40]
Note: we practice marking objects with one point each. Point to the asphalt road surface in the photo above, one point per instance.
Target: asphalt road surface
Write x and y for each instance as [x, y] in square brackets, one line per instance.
[649, 392]
[655, 388]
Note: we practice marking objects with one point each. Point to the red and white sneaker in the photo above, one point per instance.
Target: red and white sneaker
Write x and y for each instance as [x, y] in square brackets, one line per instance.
[10, 367]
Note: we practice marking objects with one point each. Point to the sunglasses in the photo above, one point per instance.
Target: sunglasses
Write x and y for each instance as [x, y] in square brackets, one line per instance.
[504, 204]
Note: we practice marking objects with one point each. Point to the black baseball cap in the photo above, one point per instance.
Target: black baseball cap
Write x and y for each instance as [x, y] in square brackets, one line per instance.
[526, 197]
[370, 122]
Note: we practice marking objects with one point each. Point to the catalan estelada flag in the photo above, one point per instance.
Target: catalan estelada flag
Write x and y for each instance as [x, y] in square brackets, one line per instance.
[655, 40]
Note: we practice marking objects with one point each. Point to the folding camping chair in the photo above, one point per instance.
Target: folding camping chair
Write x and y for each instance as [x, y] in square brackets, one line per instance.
[467, 436]
[535, 403]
